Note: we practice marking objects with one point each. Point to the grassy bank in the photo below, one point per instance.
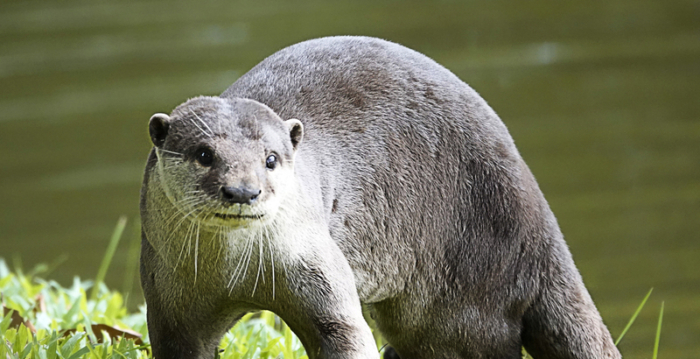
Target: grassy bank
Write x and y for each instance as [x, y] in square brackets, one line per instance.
[43, 319]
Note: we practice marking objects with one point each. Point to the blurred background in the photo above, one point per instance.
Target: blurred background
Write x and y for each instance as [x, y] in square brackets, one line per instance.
[602, 98]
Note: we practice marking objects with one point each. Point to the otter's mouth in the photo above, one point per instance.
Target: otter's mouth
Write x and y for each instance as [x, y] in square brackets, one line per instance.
[238, 216]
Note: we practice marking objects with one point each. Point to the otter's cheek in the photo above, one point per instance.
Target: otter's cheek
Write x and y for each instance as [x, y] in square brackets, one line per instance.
[181, 185]
[207, 183]
[281, 186]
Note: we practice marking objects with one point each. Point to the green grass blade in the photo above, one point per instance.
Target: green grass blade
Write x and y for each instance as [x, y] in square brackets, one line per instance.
[79, 353]
[113, 242]
[132, 264]
[5, 323]
[658, 331]
[634, 317]
[55, 264]
[287, 351]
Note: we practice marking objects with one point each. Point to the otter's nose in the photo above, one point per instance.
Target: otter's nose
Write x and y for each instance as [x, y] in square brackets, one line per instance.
[241, 195]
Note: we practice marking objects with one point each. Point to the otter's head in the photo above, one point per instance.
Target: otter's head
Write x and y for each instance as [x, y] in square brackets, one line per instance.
[225, 162]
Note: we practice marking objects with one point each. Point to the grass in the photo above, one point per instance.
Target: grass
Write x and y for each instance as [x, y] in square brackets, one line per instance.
[49, 310]
[634, 317]
[42, 319]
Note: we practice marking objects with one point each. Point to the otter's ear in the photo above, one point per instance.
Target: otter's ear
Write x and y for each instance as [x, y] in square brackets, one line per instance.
[296, 131]
[158, 128]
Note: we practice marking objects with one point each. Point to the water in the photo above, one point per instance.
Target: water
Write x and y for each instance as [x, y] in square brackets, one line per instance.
[602, 98]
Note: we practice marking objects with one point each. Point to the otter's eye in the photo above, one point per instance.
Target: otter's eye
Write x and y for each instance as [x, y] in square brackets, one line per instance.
[271, 162]
[205, 157]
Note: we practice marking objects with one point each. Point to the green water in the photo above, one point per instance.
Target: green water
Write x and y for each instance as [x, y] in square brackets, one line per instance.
[602, 98]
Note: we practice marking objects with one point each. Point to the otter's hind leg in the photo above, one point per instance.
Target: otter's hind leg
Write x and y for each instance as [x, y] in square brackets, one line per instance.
[562, 322]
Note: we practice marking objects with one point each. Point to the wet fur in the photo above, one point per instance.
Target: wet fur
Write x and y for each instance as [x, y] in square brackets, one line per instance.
[406, 194]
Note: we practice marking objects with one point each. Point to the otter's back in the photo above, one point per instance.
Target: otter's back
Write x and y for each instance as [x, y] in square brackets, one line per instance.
[402, 149]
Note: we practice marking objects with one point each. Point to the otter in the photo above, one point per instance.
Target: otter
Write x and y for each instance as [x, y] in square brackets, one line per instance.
[345, 173]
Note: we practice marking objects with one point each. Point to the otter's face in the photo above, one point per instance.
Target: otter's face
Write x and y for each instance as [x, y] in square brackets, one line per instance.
[225, 162]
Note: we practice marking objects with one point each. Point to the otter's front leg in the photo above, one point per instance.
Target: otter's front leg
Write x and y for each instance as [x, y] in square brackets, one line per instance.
[185, 321]
[322, 306]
